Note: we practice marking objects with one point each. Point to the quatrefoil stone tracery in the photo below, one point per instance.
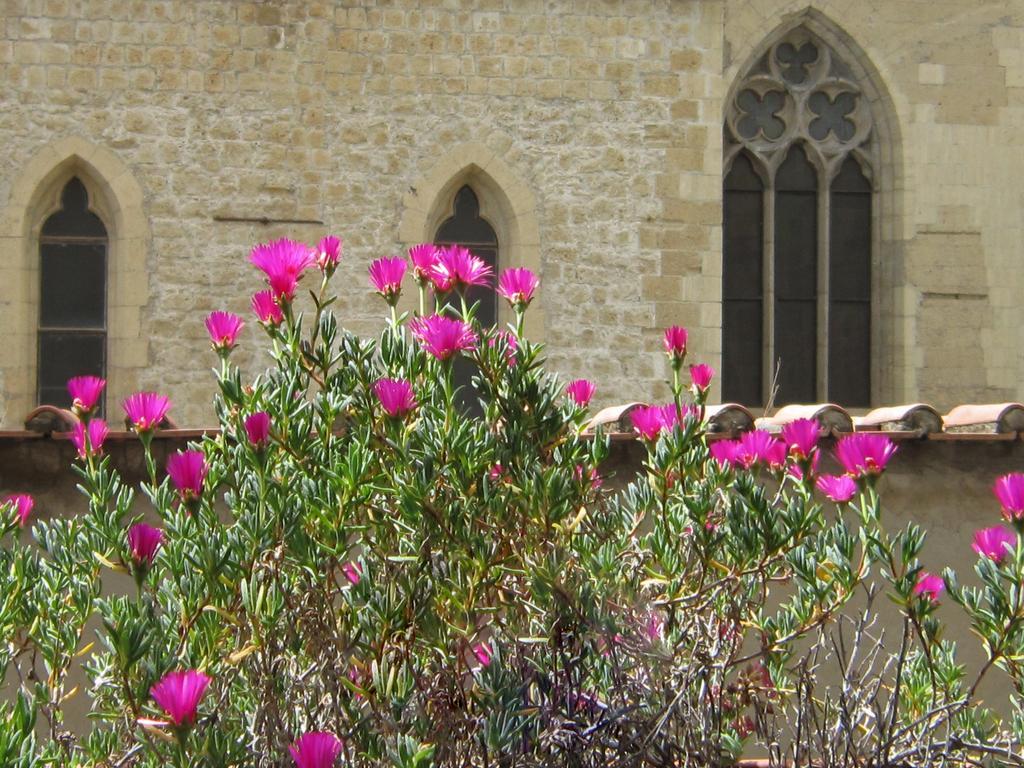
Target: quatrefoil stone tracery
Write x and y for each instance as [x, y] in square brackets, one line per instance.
[799, 92]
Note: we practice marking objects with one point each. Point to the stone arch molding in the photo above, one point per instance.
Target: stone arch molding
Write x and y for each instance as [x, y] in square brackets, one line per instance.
[882, 150]
[506, 202]
[116, 197]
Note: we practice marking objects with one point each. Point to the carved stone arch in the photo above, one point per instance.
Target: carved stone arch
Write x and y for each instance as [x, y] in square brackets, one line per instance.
[116, 197]
[881, 156]
[506, 202]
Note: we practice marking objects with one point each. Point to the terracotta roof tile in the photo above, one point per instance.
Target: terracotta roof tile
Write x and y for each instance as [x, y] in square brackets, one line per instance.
[830, 417]
[614, 418]
[728, 418]
[45, 419]
[989, 418]
[918, 418]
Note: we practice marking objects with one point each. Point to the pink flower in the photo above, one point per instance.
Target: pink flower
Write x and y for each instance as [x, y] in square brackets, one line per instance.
[864, 453]
[580, 392]
[929, 586]
[496, 473]
[146, 410]
[387, 275]
[1009, 489]
[144, 540]
[352, 572]
[795, 470]
[443, 336]
[725, 452]
[675, 342]
[396, 396]
[257, 428]
[759, 447]
[88, 440]
[701, 375]
[223, 328]
[328, 254]
[22, 505]
[483, 654]
[317, 749]
[178, 694]
[839, 488]
[85, 392]
[593, 478]
[266, 308]
[283, 262]
[187, 470]
[995, 543]
[457, 268]
[801, 437]
[654, 626]
[672, 417]
[648, 420]
[518, 286]
[424, 258]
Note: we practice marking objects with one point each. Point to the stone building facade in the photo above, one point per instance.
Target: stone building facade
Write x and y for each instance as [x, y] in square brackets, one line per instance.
[591, 132]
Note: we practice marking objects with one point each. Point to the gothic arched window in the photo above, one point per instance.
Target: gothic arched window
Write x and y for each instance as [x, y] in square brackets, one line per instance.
[467, 228]
[72, 336]
[796, 245]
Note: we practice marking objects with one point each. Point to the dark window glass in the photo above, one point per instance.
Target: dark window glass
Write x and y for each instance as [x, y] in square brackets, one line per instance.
[468, 229]
[72, 296]
[742, 283]
[796, 279]
[849, 332]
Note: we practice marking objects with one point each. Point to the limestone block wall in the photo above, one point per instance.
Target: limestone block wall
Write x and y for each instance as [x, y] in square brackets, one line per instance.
[591, 129]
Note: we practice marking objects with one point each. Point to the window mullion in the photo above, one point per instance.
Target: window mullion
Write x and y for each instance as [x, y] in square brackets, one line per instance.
[768, 291]
[824, 263]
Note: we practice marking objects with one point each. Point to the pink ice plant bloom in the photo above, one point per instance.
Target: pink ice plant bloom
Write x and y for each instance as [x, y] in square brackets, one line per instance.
[424, 259]
[442, 336]
[317, 749]
[283, 262]
[838, 488]
[863, 453]
[85, 392]
[223, 328]
[178, 694]
[648, 420]
[701, 375]
[483, 654]
[146, 410]
[386, 275]
[517, 286]
[187, 470]
[328, 253]
[353, 573]
[758, 447]
[801, 437]
[456, 268]
[1009, 489]
[88, 439]
[144, 541]
[257, 428]
[266, 308]
[725, 452]
[675, 342]
[581, 391]
[929, 586]
[22, 504]
[396, 396]
[995, 543]
[511, 342]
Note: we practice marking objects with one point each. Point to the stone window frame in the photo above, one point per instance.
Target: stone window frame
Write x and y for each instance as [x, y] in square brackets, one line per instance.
[828, 73]
[116, 197]
[506, 202]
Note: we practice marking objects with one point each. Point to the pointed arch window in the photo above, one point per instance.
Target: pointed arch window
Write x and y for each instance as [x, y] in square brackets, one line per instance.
[467, 228]
[72, 335]
[797, 230]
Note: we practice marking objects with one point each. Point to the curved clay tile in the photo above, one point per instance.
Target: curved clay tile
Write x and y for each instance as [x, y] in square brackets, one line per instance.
[987, 418]
[728, 418]
[46, 419]
[830, 417]
[916, 417]
[615, 418]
